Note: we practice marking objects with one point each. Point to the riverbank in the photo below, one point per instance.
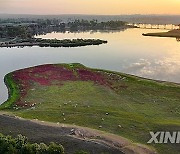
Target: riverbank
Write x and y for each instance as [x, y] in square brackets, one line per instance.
[52, 42]
[113, 102]
[172, 33]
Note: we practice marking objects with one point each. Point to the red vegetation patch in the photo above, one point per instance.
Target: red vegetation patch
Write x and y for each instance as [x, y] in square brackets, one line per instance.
[47, 75]
[88, 75]
[44, 74]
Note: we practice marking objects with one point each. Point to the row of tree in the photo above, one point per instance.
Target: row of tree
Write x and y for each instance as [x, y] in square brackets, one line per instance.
[94, 24]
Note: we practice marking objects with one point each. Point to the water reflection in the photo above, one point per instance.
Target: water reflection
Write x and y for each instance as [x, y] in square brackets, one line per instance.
[127, 51]
[43, 30]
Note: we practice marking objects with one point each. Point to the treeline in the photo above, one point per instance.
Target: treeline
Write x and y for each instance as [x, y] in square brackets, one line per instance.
[16, 21]
[95, 25]
[20, 145]
[28, 28]
[14, 31]
[76, 25]
[56, 22]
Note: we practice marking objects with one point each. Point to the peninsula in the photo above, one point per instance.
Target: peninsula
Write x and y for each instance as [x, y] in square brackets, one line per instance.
[122, 104]
[172, 33]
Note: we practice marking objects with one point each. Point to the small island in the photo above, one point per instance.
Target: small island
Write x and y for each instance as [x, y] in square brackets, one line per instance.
[51, 42]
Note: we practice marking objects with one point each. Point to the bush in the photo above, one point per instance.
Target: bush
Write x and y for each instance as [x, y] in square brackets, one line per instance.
[81, 152]
[20, 145]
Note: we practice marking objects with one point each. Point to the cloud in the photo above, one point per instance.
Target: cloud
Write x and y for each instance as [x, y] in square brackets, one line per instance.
[136, 67]
[167, 68]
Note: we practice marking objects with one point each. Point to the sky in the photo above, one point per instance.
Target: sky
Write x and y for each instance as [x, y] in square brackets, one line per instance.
[100, 7]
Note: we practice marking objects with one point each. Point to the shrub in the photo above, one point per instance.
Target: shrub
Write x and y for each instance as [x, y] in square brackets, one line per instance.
[20, 145]
[81, 152]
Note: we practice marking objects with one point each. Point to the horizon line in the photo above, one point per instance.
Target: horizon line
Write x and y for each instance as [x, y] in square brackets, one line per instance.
[88, 14]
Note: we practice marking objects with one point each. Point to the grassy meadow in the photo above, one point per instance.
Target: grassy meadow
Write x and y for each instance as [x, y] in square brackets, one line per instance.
[121, 104]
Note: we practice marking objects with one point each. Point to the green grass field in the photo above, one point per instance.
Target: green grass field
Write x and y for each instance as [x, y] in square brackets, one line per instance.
[132, 108]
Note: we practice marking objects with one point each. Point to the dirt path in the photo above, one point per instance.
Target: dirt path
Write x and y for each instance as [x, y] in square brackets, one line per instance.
[73, 138]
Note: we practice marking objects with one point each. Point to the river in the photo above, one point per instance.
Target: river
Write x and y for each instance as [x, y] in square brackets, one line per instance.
[127, 51]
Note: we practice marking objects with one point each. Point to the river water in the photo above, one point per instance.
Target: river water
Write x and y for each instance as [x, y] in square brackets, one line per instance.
[127, 51]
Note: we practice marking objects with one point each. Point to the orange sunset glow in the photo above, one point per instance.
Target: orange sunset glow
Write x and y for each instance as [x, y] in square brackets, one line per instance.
[111, 7]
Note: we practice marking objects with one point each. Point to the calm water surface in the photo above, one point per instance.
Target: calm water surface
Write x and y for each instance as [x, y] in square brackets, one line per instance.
[127, 51]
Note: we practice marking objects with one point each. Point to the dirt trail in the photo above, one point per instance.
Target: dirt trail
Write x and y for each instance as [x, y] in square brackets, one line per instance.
[73, 138]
